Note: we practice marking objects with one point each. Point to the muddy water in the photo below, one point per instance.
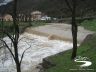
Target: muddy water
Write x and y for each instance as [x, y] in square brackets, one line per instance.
[38, 48]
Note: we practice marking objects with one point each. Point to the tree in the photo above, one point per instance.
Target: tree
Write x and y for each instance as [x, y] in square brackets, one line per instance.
[63, 5]
[74, 26]
[74, 29]
[14, 39]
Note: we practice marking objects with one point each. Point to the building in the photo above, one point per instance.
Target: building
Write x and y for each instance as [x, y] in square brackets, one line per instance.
[7, 17]
[36, 15]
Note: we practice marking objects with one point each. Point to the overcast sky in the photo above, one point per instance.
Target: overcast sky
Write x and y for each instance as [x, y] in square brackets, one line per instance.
[4, 2]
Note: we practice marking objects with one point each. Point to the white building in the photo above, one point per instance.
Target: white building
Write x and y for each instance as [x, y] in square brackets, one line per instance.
[36, 15]
[7, 17]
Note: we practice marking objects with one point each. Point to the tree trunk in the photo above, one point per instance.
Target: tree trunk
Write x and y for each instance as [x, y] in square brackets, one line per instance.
[18, 67]
[29, 20]
[16, 36]
[74, 30]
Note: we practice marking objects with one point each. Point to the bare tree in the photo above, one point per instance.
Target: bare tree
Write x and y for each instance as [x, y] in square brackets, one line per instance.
[14, 39]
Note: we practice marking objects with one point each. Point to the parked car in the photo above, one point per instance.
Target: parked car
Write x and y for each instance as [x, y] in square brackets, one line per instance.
[45, 18]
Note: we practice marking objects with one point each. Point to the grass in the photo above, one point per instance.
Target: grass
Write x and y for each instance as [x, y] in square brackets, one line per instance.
[89, 24]
[38, 23]
[8, 26]
[63, 61]
[33, 23]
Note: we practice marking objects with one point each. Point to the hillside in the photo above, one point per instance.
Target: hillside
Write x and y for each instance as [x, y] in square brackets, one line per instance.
[56, 8]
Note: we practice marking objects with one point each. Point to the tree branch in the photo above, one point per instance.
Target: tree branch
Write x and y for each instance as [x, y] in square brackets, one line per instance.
[8, 48]
[68, 4]
[12, 39]
[23, 55]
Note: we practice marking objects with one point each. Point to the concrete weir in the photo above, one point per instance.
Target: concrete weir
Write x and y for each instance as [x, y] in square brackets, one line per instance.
[59, 31]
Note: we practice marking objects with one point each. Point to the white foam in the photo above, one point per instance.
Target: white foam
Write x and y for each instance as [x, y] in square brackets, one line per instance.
[40, 47]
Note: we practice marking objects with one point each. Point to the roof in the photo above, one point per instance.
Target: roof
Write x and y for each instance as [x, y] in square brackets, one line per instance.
[36, 12]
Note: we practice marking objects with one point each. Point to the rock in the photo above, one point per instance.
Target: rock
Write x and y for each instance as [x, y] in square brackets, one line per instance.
[47, 64]
[88, 38]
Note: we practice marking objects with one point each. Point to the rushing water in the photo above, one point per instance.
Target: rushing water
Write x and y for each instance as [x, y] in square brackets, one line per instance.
[39, 48]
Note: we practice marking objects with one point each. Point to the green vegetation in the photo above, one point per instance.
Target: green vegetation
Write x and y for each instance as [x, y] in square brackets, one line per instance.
[89, 24]
[38, 23]
[8, 26]
[64, 64]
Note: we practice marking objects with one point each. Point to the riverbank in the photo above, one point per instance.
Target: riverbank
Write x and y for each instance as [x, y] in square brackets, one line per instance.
[63, 62]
